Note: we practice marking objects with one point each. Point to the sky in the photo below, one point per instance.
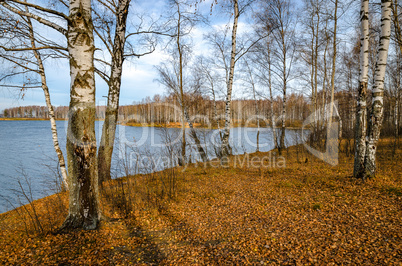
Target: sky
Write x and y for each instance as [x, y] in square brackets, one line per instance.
[138, 80]
[139, 74]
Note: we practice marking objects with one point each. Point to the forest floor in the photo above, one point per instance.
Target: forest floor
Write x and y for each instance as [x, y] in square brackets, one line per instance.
[293, 210]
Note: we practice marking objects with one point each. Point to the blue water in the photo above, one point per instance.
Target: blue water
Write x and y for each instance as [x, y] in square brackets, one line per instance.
[27, 154]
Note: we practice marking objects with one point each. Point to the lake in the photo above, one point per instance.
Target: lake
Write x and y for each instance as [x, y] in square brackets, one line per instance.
[27, 154]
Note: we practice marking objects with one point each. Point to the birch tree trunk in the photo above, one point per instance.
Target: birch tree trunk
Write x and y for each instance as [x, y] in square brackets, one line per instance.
[361, 109]
[257, 112]
[182, 160]
[283, 128]
[315, 67]
[45, 89]
[324, 78]
[81, 142]
[271, 99]
[112, 109]
[225, 149]
[284, 78]
[331, 142]
[377, 111]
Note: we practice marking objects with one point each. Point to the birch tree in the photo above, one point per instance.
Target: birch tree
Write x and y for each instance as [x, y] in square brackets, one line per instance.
[262, 57]
[173, 75]
[81, 141]
[237, 9]
[114, 81]
[264, 63]
[377, 109]
[283, 37]
[331, 142]
[115, 39]
[41, 70]
[310, 50]
[225, 148]
[14, 53]
[361, 110]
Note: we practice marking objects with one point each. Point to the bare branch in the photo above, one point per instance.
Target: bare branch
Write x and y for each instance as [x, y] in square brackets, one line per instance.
[51, 11]
[33, 48]
[36, 17]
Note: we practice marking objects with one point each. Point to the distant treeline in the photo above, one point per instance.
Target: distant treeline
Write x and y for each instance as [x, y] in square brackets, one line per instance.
[166, 110]
[42, 112]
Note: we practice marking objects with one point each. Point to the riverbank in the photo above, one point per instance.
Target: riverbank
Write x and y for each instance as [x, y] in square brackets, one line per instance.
[263, 209]
[34, 119]
[165, 125]
[21, 119]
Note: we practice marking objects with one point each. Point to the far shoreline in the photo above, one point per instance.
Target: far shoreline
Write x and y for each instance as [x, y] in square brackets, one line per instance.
[128, 124]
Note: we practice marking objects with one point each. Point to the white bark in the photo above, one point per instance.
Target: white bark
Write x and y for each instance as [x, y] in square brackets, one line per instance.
[225, 149]
[331, 111]
[81, 142]
[361, 111]
[377, 110]
[330, 141]
[45, 89]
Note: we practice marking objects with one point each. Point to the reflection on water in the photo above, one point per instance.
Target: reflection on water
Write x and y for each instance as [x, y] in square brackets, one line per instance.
[27, 146]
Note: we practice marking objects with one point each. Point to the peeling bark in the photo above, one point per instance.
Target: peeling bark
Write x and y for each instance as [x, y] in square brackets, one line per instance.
[81, 142]
[361, 110]
[377, 111]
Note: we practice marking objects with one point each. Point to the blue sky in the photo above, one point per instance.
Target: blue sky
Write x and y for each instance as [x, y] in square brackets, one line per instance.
[139, 74]
[138, 79]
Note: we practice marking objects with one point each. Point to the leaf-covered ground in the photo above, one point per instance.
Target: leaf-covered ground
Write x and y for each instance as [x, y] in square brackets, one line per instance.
[304, 212]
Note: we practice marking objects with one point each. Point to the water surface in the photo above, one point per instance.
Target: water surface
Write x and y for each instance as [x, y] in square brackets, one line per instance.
[27, 154]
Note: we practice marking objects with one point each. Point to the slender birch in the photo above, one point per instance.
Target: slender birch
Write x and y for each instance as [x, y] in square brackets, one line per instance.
[112, 109]
[361, 110]
[81, 142]
[41, 70]
[29, 42]
[283, 35]
[331, 107]
[225, 149]
[271, 97]
[377, 110]
[180, 83]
